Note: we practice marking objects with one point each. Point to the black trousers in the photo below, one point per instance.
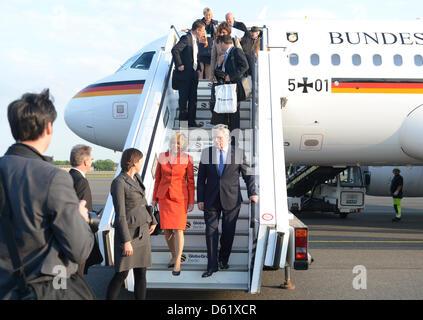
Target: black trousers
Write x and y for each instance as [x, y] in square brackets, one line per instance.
[188, 96]
[229, 219]
[140, 287]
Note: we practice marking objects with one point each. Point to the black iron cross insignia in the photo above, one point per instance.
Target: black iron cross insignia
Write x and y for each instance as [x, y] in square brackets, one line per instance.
[304, 85]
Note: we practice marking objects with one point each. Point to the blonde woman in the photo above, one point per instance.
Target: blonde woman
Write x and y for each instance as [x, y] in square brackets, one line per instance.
[204, 49]
[174, 193]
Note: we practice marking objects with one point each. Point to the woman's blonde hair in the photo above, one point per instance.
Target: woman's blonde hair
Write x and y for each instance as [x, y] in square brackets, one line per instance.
[180, 139]
[207, 10]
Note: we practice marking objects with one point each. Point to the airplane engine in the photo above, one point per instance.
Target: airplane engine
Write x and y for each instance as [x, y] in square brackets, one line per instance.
[411, 132]
[378, 181]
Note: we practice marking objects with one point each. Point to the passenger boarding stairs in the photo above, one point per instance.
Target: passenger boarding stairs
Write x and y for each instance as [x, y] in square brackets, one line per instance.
[262, 231]
[305, 178]
[194, 258]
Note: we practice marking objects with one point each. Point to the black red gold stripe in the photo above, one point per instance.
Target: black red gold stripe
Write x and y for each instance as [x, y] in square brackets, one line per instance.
[377, 85]
[112, 88]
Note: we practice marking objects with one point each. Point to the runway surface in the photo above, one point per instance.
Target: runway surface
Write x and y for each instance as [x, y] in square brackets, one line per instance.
[364, 256]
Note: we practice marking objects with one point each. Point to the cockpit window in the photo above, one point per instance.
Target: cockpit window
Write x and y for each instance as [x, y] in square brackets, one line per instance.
[129, 62]
[144, 61]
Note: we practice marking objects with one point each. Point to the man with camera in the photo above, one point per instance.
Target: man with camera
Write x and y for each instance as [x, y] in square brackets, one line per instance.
[48, 226]
[81, 160]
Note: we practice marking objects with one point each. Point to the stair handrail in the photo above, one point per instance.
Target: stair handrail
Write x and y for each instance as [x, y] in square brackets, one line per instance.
[159, 112]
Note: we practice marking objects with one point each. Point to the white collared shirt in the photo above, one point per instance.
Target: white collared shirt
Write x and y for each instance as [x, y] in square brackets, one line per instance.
[194, 51]
[83, 174]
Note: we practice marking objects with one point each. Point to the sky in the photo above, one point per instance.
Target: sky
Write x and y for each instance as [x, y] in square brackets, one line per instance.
[65, 45]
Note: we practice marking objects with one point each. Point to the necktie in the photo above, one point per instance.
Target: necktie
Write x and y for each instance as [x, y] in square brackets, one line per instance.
[224, 61]
[221, 163]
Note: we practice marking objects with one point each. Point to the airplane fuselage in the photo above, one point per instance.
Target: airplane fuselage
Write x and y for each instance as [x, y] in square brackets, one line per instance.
[351, 93]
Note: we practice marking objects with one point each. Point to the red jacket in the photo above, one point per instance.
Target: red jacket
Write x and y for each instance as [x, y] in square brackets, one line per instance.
[176, 175]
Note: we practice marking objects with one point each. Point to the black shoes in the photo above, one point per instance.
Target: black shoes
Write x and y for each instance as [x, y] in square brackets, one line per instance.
[208, 273]
[176, 273]
[395, 219]
[222, 266]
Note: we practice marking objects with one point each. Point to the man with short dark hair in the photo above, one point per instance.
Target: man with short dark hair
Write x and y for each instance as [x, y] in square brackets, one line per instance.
[49, 223]
[185, 55]
[234, 66]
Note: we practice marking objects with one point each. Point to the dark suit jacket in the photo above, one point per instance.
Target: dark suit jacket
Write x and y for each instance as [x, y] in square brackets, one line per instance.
[82, 188]
[83, 192]
[132, 222]
[49, 230]
[235, 66]
[130, 205]
[246, 39]
[182, 54]
[209, 183]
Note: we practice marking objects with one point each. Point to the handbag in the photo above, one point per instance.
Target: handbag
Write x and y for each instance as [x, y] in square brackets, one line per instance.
[175, 83]
[247, 86]
[76, 287]
[154, 212]
[226, 101]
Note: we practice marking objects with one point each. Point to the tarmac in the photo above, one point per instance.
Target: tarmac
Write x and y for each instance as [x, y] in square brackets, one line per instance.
[362, 257]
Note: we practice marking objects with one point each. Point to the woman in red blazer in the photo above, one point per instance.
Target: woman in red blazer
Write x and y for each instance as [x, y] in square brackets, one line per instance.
[174, 191]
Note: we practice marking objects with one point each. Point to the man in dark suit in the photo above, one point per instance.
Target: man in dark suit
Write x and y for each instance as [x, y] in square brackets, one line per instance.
[185, 55]
[219, 193]
[81, 161]
[50, 223]
[234, 66]
[246, 42]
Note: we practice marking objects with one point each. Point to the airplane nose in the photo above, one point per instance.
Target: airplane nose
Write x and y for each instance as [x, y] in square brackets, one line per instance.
[411, 132]
[79, 117]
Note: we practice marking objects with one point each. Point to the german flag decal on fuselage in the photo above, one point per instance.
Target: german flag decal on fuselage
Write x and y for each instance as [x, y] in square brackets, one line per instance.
[377, 85]
[112, 89]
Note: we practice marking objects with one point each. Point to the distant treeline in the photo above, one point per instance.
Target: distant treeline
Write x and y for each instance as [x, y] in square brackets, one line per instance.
[98, 165]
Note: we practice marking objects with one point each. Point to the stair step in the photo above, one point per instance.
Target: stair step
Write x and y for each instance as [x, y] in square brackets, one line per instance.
[244, 212]
[198, 146]
[205, 105]
[206, 114]
[197, 225]
[198, 240]
[226, 280]
[244, 124]
[198, 260]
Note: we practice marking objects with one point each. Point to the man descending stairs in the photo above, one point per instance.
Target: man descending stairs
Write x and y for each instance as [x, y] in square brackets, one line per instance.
[194, 257]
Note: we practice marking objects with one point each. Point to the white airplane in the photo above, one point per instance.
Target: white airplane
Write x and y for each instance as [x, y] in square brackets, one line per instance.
[345, 95]
[351, 95]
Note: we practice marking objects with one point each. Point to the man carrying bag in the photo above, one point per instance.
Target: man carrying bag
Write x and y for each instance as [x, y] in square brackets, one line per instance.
[44, 231]
[231, 71]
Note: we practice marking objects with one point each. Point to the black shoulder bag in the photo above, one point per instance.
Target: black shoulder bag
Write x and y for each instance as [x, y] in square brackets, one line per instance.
[76, 287]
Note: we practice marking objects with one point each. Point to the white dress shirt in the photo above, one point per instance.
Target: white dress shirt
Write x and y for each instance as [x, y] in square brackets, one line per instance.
[194, 51]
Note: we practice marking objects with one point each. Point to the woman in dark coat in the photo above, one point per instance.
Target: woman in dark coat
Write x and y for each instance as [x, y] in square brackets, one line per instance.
[133, 226]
